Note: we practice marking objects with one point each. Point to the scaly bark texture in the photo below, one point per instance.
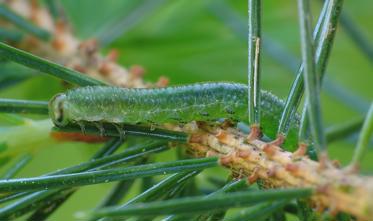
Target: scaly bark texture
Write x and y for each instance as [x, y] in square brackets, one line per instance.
[336, 189]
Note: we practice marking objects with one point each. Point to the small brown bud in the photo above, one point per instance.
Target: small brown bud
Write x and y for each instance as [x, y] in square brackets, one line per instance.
[58, 44]
[112, 55]
[269, 150]
[272, 171]
[105, 68]
[162, 82]
[195, 138]
[79, 68]
[222, 136]
[137, 71]
[243, 154]
[324, 161]
[226, 124]
[336, 163]
[301, 151]
[254, 133]
[34, 11]
[60, 26]
[323, 189]
[254, 176]
[89, 47]
[279, 140]
[225, 160]
[211, 153]
[292, 168]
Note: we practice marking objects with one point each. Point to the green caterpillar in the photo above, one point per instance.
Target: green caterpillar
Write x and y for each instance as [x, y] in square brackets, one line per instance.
[180, 104]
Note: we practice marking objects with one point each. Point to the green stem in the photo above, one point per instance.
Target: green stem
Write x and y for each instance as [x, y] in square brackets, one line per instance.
[23, 106]
[254, 42]
[45, 66]
[364, 138]
[23, 23]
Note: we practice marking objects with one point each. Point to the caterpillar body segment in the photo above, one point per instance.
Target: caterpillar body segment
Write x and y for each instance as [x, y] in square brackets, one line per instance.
[156, 106]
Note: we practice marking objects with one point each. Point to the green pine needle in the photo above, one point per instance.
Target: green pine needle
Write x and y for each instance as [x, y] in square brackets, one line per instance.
[48, 67]
[23, 106]
[104, 176]
[254, 49]
[311, 82]
[364, 138]
[200, 204]
[22, 23]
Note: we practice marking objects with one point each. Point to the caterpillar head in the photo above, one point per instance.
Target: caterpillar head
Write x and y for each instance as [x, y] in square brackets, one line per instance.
[56, 110]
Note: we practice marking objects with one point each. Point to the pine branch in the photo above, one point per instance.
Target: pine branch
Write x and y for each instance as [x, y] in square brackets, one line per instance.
[256, 159]
[277, 168]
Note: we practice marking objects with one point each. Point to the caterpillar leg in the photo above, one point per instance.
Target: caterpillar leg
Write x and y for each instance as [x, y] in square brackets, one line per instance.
[120, 130]
[82, 126]
[153, 126]
[280, 139]
[100, 127]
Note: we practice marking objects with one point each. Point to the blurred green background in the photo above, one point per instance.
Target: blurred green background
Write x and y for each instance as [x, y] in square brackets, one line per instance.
[188, 41]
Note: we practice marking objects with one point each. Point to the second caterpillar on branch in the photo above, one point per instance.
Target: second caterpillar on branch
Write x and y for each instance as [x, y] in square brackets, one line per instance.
[180, 104]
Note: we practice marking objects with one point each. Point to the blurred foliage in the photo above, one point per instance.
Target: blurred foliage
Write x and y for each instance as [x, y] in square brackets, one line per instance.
[183, 40]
